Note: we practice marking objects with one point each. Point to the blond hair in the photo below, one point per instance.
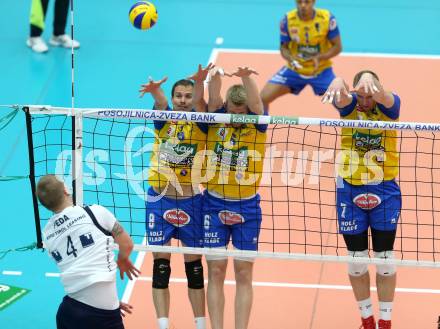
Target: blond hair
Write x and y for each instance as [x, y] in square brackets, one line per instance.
[237, 95]
[50, 192]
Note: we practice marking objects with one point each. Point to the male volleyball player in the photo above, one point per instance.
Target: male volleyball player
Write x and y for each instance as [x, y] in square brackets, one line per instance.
[309, 39]
[231, 204]
[367, 194]
[173, 206]
[80, 241]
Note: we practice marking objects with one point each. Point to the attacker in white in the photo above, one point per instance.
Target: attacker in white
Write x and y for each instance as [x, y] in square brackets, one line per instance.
[80, 240]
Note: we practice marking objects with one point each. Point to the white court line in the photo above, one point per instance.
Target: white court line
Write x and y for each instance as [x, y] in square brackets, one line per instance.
[130, 285]
[303, 285]
[52, 275]
[12, 273]
[216, 51]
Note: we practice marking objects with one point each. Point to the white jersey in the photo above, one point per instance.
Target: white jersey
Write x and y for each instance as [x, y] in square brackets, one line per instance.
[82, 249]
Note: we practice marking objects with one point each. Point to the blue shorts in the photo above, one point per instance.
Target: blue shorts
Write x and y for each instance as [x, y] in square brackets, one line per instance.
[73, 314]
[360, 207]
[297, 82]
[174, 218]
[223, 218]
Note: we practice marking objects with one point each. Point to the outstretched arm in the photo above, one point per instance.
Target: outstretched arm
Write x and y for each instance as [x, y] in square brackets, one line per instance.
[125, 247]
[155, 89]
[369, 84]
[339, 92]
[253, 96]
[215, 100]
[199, 103]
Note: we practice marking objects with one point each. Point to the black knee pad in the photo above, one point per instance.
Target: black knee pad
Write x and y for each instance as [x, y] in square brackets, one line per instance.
[194, 274]
[161, 273]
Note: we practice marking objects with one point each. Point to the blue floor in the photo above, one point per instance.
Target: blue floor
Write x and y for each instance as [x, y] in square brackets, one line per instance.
[115, 59]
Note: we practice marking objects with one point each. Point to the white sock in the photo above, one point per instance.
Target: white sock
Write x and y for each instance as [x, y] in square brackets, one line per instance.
[385, 309]
[200, 323]
[366, 308]
[163, 323]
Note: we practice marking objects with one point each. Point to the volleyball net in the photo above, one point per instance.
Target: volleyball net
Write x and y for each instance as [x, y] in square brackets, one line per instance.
[104, 155]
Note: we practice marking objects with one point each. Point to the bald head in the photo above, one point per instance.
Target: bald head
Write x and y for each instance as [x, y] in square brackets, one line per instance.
[50, 192]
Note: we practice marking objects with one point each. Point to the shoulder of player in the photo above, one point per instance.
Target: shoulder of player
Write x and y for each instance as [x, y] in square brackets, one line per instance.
[100, 211]
[292, 14]
[322, 13]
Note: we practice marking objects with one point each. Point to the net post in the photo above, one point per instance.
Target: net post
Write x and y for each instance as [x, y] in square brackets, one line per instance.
[77, 164]
[32, 176]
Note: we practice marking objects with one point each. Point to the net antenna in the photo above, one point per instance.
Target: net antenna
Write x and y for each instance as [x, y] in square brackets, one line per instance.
[77, 129]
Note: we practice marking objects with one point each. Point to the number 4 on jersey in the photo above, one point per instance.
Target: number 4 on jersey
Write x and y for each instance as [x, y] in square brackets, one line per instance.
[71, 250]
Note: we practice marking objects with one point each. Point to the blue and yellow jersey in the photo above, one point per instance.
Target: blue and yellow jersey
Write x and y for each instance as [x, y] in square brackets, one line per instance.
[309, 38]
[174, 152]
[369, 156]
[235, 157]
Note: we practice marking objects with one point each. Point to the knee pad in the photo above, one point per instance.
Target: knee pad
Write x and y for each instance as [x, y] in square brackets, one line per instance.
[357, 269]
[385, 269]
[161, 273]
[194, 274]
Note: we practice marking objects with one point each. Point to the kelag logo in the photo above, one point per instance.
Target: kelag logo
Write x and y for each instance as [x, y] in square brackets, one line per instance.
[284, 120]
[241, 118]
[367, 141]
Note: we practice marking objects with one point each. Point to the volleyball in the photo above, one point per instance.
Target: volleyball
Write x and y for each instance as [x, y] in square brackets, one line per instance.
[143, 15]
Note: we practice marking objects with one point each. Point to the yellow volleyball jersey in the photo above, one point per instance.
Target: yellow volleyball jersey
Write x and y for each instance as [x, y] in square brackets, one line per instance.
[234, 163]
[368, 156]
[309, 38]
[174, 153]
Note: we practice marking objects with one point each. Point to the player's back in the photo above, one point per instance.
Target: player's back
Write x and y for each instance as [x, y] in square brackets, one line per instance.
[81, 246]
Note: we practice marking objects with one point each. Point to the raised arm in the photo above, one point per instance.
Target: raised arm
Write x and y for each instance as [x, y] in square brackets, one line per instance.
[369, 84]
[253, 96]
[338, 91]
[215, 100]
[125, 247]
[199, 103]
[155, 89]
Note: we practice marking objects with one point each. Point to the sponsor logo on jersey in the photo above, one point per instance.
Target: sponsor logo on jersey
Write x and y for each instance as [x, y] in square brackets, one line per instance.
[367, 201]
[221, 132]
[56, 256]
[60, 221]
[176, 217]
[230, 217]
[367, 141]
[232, 158]
[86, 240]
[317, 27]
[307, 51]
[181, 154]
[171, 130]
